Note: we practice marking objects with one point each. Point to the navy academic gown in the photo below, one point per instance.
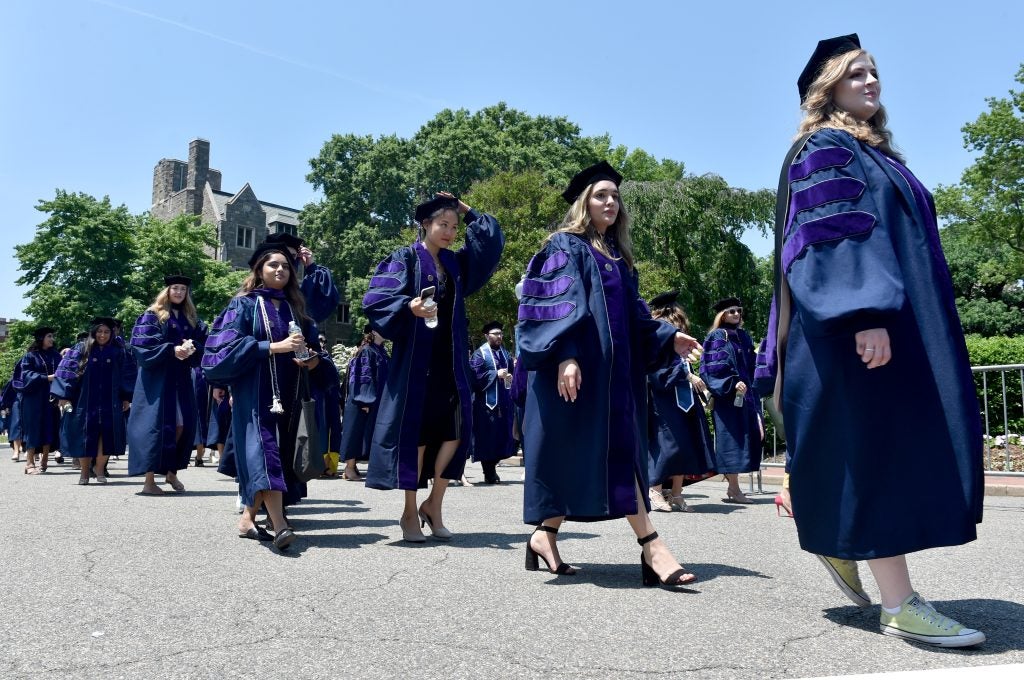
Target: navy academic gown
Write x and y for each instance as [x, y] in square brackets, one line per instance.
[164, 385]
[397, 280]
[728, 358]
[367, 376]
[680, 442]
[238, 355]
[96, 396]
[8, 398]
[40, 420]
[585, 458]
[492, 405]
[220, 421]
[885, 461]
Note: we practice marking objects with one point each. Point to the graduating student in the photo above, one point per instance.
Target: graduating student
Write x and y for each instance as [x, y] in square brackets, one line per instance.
[40, 420]
[252, 351]
[493, 411]
[588, 341]
[876, 391]
[367, 376]
[424, 422]
[680, 443]
[94, 381]
[727, 367]
[167, 342]
[10, 403]
[203, 409]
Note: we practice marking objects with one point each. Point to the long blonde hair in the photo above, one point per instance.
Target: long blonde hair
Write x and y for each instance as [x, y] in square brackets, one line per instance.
[820, 110]
[162, 306]
[718, 321]
[577, 221]
[291, 290]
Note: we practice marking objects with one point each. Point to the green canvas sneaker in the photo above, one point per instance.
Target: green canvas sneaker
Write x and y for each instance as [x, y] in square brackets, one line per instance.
[919, 621]
[845, 575]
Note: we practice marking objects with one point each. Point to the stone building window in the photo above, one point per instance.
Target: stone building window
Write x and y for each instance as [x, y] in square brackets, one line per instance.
[245, 235]
[180, 177]
[344, 314]
[287, 229]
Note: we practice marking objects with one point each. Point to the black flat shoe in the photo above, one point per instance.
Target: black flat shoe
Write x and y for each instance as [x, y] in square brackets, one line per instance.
[257, 533]
[200, 463]
[673, 581]
[532, 564]
[283, 539]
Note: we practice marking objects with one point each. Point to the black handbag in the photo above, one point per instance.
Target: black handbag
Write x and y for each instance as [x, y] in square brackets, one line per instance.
[308, 462]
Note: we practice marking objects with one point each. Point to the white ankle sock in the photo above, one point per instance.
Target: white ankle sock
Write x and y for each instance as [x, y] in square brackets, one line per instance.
[892, 611]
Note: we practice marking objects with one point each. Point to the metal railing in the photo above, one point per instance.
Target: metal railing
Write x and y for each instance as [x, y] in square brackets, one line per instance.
[1002, 401]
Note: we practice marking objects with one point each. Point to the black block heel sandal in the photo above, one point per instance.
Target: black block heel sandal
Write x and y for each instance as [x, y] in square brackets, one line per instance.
[679, 577]
[532, 564]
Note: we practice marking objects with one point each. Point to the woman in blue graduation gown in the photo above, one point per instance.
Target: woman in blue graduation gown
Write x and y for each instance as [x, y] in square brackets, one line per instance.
[876, 390]
[251, 350]
[367, 376]
[493, 411]
[10, 401]
[425, 418]
[40, 421]
[727, 367]
[94, 379]
[588, 341]
[680, 444]
[167, 342]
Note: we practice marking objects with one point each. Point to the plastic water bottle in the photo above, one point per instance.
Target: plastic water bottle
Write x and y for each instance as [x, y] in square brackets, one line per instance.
[738, 401]
[431, 321]
[293, 329]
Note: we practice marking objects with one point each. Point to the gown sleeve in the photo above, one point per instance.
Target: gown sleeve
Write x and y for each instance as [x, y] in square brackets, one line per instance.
[392, 288]
[148, 343]
[718, 364]
[321, 295]
[483, 375]
[199, 337]
[33, 376]
[231, 350]
[553, 309]
[66, 379]
[670, 374]
[837, 255]
[364, 378]
[479, 257]
[655, 338]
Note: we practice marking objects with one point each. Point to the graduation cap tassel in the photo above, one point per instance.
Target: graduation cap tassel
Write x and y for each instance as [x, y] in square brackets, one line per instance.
[275, 406]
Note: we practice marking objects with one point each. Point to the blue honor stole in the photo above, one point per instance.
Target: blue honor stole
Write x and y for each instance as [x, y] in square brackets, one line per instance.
[495, 361]
[684, 393]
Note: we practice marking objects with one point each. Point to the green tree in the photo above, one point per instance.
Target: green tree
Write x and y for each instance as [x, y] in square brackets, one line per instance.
[77, 265]
[988, 203]
[160, 248]
[686, 235]
[986, 283]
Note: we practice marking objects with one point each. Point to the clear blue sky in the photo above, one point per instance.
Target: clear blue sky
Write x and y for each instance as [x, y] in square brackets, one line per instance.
[96, 92]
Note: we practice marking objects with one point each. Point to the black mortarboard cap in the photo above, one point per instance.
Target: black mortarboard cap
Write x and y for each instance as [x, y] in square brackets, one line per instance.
[587, 176]
[666, 299]
[726, 303]
[176, 279]
[825, 50]
[267, 246]
[42, 332]
[367, 329]
[82, 336]
[427, 208]
[287, 239]
[492, 326]
[107, 321]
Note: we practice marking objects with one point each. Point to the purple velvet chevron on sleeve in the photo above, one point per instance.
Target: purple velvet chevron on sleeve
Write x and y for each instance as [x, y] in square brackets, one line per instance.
[531, 312]
[828, 157]
[827, 191]
[547, 289]
[829, 228]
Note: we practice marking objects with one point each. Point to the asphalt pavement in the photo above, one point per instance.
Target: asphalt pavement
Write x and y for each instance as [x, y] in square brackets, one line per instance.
[100, 582]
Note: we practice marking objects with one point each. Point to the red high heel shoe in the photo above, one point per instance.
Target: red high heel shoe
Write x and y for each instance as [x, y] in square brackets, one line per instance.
[780, 507]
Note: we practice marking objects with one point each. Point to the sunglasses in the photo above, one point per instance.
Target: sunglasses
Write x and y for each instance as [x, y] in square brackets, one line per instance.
[734, 310]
